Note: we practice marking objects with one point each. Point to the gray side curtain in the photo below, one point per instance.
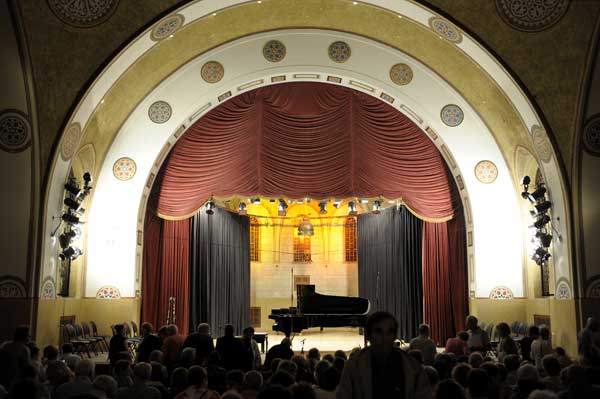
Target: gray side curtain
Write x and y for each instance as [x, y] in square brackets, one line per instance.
[389, 266]
[220, 271]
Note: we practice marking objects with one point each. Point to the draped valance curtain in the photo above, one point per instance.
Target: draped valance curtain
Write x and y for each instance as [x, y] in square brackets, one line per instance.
[305, 140]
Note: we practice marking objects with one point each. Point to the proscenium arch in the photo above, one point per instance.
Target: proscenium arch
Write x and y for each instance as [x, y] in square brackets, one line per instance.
[485, 89]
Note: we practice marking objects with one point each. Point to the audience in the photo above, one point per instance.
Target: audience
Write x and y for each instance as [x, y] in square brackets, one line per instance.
[479, 340]
[424, 344]
[381, 370]
[525, 343]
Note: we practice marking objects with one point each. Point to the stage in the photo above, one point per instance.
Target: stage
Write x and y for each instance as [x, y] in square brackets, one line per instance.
[327, 341]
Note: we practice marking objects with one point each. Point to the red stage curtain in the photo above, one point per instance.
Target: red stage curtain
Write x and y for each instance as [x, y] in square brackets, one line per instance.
[305, 139]
[166, 271]
[445, 277]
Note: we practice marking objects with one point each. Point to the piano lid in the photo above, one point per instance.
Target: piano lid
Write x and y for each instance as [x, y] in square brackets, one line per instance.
[311, 302]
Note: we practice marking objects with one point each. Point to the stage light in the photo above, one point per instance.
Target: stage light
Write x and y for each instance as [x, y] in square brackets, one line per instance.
[376, 207]
[305, 228]
[538, 194]
[542, 207]
[242, 208]
[71, 253]
[525, 181]
[256, 200]
[87, 179]
[545, 239]
[64, 240]
[271, 201]
[337, 203]
[323, 208]
[73, 188]
[73, 205]
[308, 200]
[352, 208]
[540, 256]
[210, 207]
[364, 201]
[282, 207]
[70, 219]
[541, 221]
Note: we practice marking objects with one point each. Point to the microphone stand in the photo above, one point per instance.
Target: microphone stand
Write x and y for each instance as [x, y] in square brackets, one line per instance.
[377, 293]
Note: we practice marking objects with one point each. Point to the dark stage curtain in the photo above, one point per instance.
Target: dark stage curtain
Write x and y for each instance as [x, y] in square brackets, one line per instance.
[220, 270]
[389, 246]
[166, 271]
[445, 277]
[305, 140]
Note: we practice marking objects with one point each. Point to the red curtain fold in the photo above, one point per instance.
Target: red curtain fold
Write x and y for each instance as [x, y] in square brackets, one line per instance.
[445, 277]
[305, 140]
[166, 266]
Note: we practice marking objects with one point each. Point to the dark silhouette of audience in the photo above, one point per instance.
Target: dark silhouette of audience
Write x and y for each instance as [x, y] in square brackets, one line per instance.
[280, 351]
[231, 349]
[202, 342]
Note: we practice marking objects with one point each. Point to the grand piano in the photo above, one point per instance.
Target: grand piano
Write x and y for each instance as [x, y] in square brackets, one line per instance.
[317, 310]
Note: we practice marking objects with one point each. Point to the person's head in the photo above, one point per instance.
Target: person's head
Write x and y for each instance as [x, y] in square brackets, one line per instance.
[157, 356]
[448, 389]
[340, 353]
[282, 378]
[560, 351]
[179, 378]
[491, 369]
[85, 368]
[512, 363]
[106, 384]
[248, 333]
[593, 323]
[214, 358]
[475, 359]
[159, 372]
[146, 329]
[329, 357]
[460, 373]
[288, 366]
[302, 390]
[275, 364]
[57, 373]
[381, 331]
[424, 330]
[528, 372]
[463, 335]
[275, 391]
[229, 330]
[330, 378]
[416, 354]
[21, 334]
[574, 375]
[50, 353]
[162, 332]
[443, 365]
[67, 348]
[551, 365]
[503, 330]
[253, 380]
[544, 333]
[231, 395]
[477, 382]
[320, 368]
[172, 330]
[34, 351]
[300, 361]
[542, 394]
[432, 375]
[196, 376]
[534, 332]
[119, 329]
[187, 356]
[471, 323]
[286, 342]
[204, 328]
[313, 353]
[234, 379]
[338, 363]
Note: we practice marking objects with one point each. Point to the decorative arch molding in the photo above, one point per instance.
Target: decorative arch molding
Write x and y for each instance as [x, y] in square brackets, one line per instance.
[456, 66]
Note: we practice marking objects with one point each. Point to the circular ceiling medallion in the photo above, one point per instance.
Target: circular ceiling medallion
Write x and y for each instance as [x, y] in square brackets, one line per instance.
[486, 172]
[445, 29]
[274, 51]
[83, 13]
[15, 131]
[591, 135]
[167, 27]
[160, 112]
[532, 15]
[339, 52]
[212, 72]
[70, 141]
[124, 168]
[401, 74]
[452, 115]
[540, 143]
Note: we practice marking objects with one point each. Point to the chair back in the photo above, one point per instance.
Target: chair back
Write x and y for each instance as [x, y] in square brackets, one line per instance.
[86, 329]
[134, 327]
[94, 328]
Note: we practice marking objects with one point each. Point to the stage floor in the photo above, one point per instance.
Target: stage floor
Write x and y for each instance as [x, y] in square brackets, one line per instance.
[328, 340]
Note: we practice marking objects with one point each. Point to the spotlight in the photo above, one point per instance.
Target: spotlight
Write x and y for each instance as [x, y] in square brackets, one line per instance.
[242, 208]
[540, 256]
[322, 208]
[525, 181]
[70, 253]
[73, 205]
[305, 228]
[541, 221]
[70, 219]
[73, 188]
[337, 204]
[256, 200]
[271, 201]
[538, 194]
[308, 200]
[545, 239]
[210, 207]
[543, 207]
[364, 201]
[87, 179]
[376, 207]
[352, 208]
[282, 207]
[64, 240]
